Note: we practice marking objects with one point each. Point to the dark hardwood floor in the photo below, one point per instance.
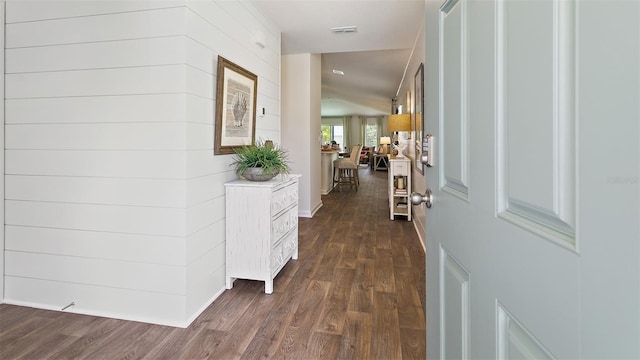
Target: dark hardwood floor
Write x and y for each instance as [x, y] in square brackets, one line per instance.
[357, 291]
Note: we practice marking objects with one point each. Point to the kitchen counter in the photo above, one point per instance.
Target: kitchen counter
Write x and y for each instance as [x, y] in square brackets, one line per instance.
[326, 172]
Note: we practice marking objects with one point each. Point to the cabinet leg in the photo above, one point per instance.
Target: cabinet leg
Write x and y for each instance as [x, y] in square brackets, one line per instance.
[268, 287]
[229, 282]
[295, 255]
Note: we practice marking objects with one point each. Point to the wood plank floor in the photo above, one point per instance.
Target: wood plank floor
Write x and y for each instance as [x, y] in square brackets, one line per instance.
[357, 291]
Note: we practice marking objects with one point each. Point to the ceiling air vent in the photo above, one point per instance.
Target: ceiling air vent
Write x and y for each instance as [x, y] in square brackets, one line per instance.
[344, 29]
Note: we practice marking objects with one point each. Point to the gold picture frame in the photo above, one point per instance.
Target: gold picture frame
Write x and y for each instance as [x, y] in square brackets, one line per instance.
[236, 94]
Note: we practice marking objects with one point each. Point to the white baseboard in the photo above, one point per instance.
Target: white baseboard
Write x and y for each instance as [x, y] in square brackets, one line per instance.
[204, 307]
[111, 315]
[309, 214]
[315, 210]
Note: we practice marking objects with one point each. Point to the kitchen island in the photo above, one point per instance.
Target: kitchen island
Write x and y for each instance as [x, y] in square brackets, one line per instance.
[326, 173]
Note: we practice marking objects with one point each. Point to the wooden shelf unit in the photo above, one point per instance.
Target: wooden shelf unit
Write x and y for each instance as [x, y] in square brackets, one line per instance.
[399, 187]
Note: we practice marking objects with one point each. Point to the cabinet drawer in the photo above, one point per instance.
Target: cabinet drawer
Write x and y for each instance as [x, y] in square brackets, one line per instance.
[277, 260]
[290, 243]
[401, 169]
[283, 198]
[283, 252]
[283, 223]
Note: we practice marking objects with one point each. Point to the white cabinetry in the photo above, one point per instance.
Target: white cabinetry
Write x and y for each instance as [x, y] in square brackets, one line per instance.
[261, 228]
[399, 187]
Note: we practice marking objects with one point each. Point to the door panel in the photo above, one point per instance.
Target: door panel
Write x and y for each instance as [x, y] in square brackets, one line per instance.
[453, 68]
[525, 68]
[516, 342]
[455, 307]
[533, 243]
[535, 102]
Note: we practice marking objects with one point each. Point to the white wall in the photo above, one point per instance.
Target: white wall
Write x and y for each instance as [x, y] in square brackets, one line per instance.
[301, 86]
[354, 127]
[114, 199]
[313, 142]
[225, 28]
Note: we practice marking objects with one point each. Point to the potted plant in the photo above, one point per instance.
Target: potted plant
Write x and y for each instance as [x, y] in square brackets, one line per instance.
[261, 161]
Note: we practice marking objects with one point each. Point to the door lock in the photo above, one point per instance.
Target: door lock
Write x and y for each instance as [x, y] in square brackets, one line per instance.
[417, 198]
[428, 147]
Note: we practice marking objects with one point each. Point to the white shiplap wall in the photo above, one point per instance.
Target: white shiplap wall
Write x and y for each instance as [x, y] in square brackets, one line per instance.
[114, 199]
[225, 28]
[2, 12]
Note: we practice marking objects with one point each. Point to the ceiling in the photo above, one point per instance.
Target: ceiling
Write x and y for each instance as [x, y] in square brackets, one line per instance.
[373, 58]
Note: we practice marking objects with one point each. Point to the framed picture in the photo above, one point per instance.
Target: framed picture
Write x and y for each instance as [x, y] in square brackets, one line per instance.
[236, 93]
[418, 118]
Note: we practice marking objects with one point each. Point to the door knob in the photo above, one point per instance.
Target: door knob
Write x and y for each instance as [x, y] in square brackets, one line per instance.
[417, 198]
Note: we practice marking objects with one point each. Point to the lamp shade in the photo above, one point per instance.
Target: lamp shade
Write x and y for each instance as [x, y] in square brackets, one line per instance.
[385, 140]
[399, 122]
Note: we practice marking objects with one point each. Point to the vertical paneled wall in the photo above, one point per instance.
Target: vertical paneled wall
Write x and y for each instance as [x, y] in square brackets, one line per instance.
[114, 199]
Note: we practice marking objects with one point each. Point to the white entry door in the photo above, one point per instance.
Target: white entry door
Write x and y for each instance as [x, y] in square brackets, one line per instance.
[533, 237]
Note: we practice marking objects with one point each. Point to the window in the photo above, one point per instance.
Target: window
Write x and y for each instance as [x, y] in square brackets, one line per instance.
[332, 132]
[371, 135]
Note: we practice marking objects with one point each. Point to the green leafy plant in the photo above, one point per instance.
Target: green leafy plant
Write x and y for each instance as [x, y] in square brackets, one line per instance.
[266, 155]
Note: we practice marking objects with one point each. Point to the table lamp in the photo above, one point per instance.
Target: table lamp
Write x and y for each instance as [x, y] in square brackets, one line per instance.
[399, 122]
[385, 141]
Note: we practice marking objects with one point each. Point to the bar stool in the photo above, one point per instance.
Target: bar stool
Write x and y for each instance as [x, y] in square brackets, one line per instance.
[345, 171]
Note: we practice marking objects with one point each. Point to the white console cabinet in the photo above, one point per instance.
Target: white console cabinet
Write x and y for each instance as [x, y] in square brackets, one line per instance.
[399, 187]
[261, 228]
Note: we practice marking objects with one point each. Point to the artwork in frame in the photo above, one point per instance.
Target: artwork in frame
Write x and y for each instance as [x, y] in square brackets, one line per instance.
[418, 118]
[236, 93]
